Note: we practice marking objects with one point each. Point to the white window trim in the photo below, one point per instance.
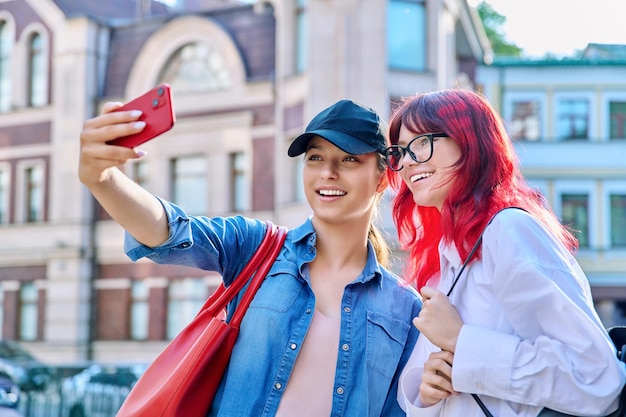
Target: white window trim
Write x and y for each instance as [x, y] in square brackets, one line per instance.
[22, 166]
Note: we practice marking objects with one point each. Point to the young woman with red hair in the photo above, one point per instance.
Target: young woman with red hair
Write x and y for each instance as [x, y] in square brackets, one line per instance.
[518, 332]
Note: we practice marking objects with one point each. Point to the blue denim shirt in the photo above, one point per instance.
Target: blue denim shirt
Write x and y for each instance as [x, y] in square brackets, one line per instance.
[376, 336]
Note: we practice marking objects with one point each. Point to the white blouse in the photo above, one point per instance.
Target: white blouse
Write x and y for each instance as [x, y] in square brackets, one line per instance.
[531, 336]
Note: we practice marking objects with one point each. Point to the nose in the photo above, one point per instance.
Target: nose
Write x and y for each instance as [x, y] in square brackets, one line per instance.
[407, 159]
[329, 170]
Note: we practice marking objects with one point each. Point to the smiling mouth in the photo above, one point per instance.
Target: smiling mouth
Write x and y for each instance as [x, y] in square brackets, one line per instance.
[331, 193]
[417, 177]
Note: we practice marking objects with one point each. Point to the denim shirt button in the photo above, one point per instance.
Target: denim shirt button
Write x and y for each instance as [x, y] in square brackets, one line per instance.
[346, 309]
[293, 346]
[340, 390]
[308, 311]
[185, 245]
[345, 347]
[278, 385]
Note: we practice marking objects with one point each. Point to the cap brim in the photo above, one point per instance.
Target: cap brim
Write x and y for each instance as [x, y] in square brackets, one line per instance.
[343, 141]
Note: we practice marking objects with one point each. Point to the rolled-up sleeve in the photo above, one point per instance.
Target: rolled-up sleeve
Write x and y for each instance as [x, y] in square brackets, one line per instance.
[221, 244]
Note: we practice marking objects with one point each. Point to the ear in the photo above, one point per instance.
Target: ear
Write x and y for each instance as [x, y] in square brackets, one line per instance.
[383, 183]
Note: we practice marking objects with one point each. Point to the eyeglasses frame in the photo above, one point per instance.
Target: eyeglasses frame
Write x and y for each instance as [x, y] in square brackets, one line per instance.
[405, 149]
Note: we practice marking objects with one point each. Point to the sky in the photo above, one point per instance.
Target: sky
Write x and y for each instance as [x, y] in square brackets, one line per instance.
[561, 26]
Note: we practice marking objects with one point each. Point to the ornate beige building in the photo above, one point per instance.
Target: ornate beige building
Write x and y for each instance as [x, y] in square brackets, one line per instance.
[246, 79]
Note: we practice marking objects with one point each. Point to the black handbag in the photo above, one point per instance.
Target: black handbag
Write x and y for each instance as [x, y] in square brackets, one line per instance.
[617, 334]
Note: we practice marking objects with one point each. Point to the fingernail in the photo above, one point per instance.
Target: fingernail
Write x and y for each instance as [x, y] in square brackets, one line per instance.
[140, 153]
[139, 125]
[135, 113]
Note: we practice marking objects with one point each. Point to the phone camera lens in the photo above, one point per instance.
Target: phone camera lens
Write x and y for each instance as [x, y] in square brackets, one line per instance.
[155, 102]
[160, 91]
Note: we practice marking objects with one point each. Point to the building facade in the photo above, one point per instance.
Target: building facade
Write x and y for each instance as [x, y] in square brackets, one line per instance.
[246, 79]
[568, 117]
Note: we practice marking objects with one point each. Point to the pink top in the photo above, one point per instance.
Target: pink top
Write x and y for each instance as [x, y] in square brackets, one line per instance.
[309, 391]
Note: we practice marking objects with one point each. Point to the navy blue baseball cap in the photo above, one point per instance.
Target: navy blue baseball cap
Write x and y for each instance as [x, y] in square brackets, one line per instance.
[348, 125]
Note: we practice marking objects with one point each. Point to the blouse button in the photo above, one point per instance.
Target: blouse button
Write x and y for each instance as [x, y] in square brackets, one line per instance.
[340, 391]
[293, 346]
[278, 385]
[345, 347]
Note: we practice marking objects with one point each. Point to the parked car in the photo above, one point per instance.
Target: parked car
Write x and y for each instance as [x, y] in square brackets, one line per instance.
[23, 369]
[9, 397]
[99, 390]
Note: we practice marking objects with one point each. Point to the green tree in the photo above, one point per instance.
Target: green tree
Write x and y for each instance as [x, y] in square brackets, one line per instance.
[493, 21]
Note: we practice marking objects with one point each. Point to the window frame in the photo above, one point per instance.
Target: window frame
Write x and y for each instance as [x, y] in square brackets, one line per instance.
[534, 96]
[607, 99]
[23, 195]
[203, 206]
[591, 119]
[609, 188]
[579, 187]
[28, 332]
[422, 65]
[5, 193]
[191, 302]
[7, 24]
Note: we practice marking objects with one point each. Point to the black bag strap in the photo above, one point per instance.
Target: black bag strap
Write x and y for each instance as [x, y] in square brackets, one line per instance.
[475, 247]
[480, 403]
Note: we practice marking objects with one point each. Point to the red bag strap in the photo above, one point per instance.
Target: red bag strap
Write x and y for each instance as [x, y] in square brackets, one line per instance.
[279, 235]
[260, 262]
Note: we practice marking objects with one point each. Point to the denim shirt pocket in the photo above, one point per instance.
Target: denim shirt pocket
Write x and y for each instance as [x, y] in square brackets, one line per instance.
[280, 289]
[386, 338]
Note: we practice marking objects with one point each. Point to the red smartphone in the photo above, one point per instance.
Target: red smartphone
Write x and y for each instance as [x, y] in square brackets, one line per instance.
[157, 111]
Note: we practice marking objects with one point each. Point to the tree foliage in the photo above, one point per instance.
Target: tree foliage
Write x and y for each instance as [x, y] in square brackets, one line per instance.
[492, 22]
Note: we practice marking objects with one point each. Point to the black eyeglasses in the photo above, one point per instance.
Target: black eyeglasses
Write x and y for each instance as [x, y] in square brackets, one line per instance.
[419, 148]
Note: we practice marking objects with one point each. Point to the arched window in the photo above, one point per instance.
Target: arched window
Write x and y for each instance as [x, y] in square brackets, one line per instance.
[37, 85]
[197, 67]
[6, 47]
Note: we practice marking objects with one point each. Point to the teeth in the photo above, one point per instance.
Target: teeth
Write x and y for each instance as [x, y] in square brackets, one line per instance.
[331, 192]
[421, 176]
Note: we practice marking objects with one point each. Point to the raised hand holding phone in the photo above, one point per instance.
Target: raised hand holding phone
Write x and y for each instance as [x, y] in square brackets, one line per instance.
[157, 112]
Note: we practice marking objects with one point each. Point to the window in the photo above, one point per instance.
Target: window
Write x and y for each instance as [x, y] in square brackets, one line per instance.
[302, 52]
[140, 173]
[185, 298]
[33, 194]
[525, 121]
[4, 195]
[238, 183]
[617, 120]
[37, 84]
[575, 214]
[139, 311]
[2, 311]
[6, 46]
[573, 118]
[190, 184]
[197, 67]
[298, 185]
[406, 35]
[618, 220]
[29, 298]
